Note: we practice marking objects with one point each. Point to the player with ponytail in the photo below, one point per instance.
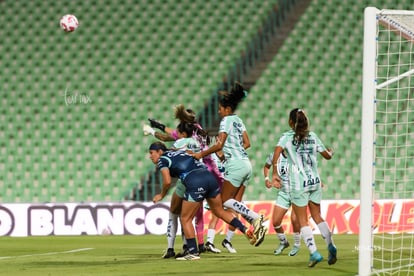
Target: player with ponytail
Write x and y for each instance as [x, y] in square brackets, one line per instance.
[302, 147]
[233, 141]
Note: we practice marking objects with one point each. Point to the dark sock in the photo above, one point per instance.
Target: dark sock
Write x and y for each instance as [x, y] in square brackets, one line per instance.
[192, 246]
[238, 224]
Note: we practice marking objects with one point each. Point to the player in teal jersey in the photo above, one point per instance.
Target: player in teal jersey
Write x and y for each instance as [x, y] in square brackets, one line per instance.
[233, 141]
[282, 205]
[302, 147]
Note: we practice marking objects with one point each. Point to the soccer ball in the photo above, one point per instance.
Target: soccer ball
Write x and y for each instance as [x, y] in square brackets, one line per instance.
[69, 23]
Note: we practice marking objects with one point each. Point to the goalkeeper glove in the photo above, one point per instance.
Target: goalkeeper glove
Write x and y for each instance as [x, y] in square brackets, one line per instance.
[148, 130]
[156, 124]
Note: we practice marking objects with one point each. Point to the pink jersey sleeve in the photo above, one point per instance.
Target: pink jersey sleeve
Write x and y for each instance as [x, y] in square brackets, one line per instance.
[174, 134]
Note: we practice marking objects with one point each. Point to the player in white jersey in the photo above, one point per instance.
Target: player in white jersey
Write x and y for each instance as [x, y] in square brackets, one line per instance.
[302, 147]
[282, 205]
[233, 141]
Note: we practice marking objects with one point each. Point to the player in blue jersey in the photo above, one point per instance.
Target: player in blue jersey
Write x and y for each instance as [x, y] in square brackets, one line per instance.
[199, 184]
[187, 117]
[282, 205]
[233, 141]
[185, 141]
[302, 147]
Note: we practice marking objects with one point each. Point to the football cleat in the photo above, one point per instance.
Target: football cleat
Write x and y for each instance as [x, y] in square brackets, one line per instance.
[226, 244]
[202, 248]
[294, 251]
[211, 248]
[250, 236]
[169, 253]
[332, 254]
[315, 258]
[282, 246]
[189, 257]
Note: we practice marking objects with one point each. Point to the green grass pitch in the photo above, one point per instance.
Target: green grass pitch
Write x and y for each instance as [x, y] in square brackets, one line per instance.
[141, 255]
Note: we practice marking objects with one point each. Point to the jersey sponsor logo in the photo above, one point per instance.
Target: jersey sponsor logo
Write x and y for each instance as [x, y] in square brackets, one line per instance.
[306, 141]
[238, 126]
[311, 181]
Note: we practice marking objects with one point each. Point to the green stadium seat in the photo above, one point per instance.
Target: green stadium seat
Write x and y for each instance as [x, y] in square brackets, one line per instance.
[157, 53]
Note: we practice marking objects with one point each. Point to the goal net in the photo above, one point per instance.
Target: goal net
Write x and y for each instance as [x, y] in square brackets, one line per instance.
[386, 241]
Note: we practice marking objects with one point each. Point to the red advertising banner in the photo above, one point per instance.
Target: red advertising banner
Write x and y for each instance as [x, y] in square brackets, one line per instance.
[135, 218]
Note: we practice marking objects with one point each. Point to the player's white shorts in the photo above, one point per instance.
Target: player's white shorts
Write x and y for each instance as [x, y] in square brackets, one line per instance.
[302, 198]
[283, 200]
[237, 172]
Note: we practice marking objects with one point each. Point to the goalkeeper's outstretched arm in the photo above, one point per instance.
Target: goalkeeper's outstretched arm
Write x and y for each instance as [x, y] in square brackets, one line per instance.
[165, 135]
[159, 135]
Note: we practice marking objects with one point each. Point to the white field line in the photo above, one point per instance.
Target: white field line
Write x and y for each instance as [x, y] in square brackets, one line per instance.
[45, 254]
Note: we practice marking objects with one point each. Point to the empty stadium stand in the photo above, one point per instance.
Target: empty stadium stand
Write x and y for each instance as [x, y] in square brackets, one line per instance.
[73, 104]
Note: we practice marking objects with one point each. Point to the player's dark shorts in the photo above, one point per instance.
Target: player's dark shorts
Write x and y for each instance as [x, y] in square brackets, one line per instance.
[200, 184]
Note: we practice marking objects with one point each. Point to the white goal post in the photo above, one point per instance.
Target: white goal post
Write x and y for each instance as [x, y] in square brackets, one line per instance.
[387, 143]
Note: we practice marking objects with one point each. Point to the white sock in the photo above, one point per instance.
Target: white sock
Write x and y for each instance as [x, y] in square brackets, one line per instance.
[211, 234]
[229, 235]
[172, 229]
[242, 209]
[308, 238]
[296, 238]
[281, 236]
[325, 232]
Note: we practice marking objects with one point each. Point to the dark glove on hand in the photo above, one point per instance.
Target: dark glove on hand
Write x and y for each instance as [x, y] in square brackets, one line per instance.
[156, 124]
